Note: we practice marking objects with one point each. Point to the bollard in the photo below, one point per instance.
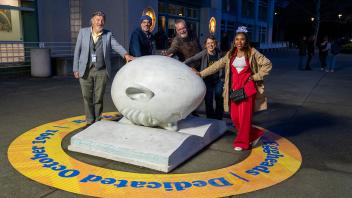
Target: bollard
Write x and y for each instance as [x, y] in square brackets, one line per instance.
[40, 62]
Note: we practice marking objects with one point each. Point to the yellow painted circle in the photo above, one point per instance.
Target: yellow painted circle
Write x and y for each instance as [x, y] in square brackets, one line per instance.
[38, 155]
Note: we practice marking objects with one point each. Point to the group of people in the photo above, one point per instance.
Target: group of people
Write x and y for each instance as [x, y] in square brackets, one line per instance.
[235, 80]
[327, 53]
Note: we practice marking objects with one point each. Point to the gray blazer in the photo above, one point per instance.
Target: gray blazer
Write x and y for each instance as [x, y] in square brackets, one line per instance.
[81, 55]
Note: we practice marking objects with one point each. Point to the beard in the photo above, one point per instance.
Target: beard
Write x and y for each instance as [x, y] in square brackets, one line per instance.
[184, 35]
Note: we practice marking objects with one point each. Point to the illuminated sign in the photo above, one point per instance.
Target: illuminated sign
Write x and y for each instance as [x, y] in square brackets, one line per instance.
[212, 25]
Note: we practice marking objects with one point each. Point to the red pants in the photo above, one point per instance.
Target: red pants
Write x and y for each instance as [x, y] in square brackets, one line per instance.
[242, 112]
[241, 116]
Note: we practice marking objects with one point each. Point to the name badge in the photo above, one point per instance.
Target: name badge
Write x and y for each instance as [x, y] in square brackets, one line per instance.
[94, 58]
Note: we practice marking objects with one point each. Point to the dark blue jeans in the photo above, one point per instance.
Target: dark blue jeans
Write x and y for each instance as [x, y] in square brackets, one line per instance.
[214, 90]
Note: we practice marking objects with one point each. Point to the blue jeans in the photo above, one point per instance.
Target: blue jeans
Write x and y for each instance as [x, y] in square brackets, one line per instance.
[214, 89]
[301, 60]
[332, 62]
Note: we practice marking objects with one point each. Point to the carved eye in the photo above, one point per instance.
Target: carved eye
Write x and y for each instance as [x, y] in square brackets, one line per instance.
[139, 93]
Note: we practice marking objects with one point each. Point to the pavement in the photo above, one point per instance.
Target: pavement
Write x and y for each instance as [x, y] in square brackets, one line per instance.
[312, 109]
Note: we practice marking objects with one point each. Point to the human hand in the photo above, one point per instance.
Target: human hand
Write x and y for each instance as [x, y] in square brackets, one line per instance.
[76, 74]
[196, 71]
[164, 53]
[129, 58]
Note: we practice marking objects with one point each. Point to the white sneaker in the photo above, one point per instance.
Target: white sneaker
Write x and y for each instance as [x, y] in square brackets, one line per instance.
[238, 148]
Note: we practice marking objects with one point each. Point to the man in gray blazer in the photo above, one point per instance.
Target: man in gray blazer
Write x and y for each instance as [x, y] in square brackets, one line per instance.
[92, 65]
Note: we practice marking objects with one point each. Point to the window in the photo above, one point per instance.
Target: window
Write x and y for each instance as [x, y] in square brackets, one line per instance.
[192, 13]
[248, 8]
[263, 10]
[223, 27]
[169, 13]
[162, 7]
[229, 6]
[176, 10]
[262, 35]
[75, 19]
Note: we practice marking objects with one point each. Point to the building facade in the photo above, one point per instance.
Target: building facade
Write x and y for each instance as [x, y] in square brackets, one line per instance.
[49, 22]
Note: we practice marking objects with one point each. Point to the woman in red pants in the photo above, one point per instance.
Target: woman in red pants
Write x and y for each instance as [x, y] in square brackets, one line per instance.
[245, 69]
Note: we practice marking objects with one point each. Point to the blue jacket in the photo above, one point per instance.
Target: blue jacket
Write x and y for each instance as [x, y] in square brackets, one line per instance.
[140, 44]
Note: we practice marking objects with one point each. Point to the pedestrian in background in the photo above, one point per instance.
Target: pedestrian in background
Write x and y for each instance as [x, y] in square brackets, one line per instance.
[310, 52]
[324, 48]
[334, 51]
[302, 52]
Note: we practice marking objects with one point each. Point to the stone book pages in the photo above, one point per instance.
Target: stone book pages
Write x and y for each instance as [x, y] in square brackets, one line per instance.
[154, 148]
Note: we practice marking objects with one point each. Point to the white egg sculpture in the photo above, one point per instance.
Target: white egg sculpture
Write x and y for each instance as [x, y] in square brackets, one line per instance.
[156, 91]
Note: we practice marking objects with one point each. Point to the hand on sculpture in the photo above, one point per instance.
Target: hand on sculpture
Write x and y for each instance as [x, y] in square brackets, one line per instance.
[195, 71]
[164, 53]
[76, 74]
[129, 58]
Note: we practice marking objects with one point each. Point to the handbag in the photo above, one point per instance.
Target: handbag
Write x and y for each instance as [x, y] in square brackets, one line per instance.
[237, 95]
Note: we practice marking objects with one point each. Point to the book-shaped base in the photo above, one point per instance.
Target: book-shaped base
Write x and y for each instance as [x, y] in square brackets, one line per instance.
[154, 148]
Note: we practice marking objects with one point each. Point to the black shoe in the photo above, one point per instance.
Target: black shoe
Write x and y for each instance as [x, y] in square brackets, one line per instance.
[195, 114]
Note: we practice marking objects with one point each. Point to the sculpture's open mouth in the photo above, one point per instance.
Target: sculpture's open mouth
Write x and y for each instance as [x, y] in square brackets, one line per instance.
[139, 93]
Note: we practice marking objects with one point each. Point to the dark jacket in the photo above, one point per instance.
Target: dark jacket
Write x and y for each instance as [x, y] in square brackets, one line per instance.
[204, 57]
[302, 48]
[310, 47]
[140, 43]
[335, 48]
[185, 47]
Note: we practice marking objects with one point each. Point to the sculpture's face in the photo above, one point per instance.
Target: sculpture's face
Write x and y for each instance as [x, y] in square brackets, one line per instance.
[156, 90]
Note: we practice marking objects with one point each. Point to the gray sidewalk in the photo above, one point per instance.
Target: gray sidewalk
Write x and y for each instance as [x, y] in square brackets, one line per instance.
[310, 108]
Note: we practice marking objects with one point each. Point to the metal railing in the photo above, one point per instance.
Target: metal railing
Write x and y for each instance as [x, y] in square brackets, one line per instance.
[273, 46]
[12, 52]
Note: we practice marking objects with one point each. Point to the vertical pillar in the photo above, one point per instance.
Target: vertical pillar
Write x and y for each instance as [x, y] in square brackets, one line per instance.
[239, 12]
[256, 18]
[270, 20]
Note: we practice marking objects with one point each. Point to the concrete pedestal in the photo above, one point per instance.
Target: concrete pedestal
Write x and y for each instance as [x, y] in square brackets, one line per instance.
[153, 148]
